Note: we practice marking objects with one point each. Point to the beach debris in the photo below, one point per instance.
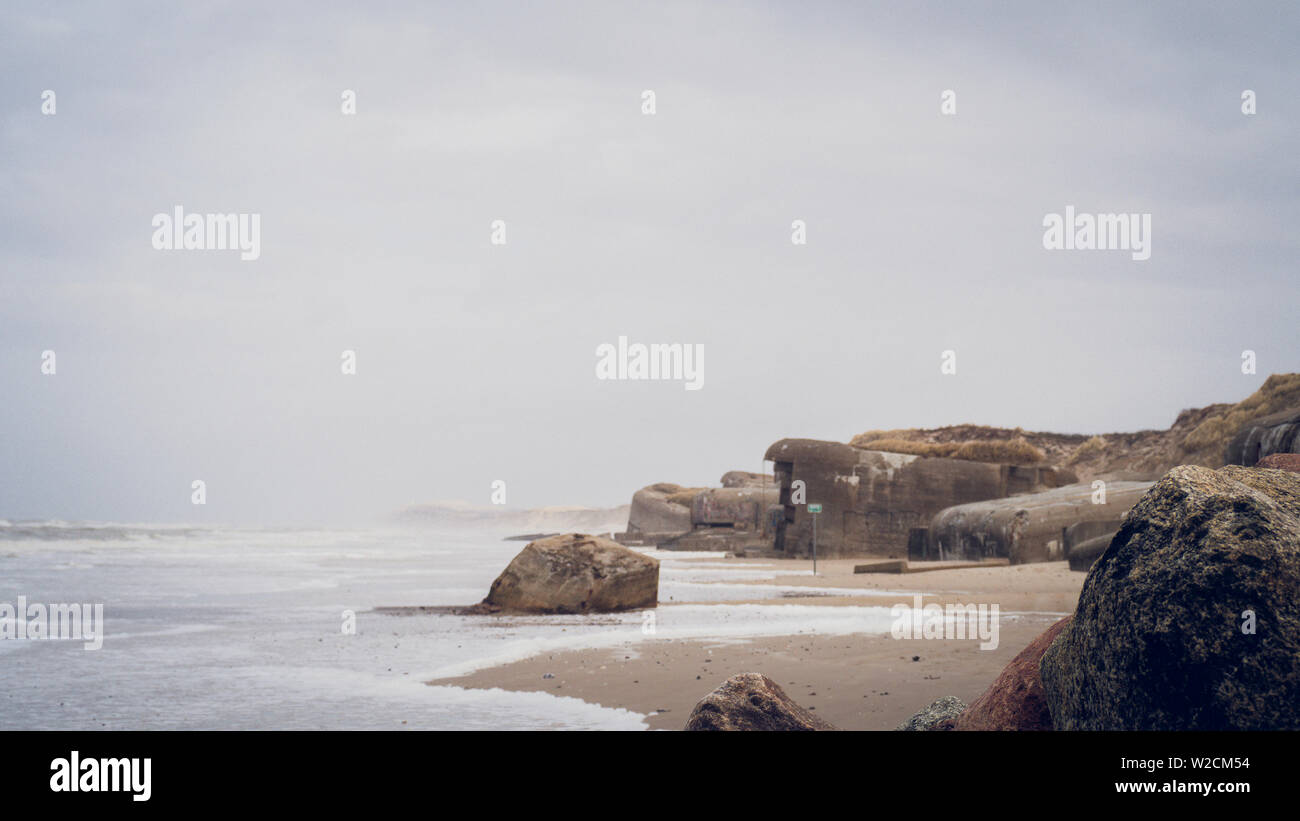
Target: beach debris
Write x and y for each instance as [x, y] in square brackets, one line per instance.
[1190, 620]
[751, 701]
[935, 716]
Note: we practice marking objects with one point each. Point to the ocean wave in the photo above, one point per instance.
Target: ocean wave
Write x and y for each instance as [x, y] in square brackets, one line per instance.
[48, 530]
[691, 621]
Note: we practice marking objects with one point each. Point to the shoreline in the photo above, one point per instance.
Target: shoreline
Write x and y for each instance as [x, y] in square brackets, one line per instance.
[855, 680]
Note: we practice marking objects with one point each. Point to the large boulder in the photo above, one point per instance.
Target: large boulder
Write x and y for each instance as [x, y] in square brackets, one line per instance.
[751, 701]
[938, 716]
[576, 573]
[1015, 700]
[1191, 619]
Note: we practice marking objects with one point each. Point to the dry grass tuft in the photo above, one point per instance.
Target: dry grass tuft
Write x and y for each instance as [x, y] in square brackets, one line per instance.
[1198, 436]
[1096, 446]
[1006, 451]
[1009, 451]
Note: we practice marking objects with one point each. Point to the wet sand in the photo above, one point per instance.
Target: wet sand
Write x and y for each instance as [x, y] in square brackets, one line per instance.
[856, 682]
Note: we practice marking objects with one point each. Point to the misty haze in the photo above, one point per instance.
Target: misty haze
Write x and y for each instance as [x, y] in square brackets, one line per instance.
[769, 366]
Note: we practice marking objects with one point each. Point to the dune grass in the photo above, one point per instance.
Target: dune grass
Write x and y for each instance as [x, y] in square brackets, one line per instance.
[1279, 392]
[1006, 451]
[1205, 444]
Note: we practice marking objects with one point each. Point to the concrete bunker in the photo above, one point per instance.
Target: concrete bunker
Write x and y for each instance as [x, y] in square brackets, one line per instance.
[1275, 433]
[735, 517]
[1034, 527]
[876, 503]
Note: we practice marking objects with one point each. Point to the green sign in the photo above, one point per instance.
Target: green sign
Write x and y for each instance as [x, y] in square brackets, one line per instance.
[814, 508]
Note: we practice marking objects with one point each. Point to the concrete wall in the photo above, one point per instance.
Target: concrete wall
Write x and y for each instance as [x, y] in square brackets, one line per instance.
[742, 478]
[1027, 528]
[1080, 532]
[1275, 433]
[651, 512]
[741, 508]
[732, 517]
[874, 501]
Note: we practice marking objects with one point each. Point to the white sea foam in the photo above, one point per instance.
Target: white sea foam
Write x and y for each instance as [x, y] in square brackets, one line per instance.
[692, 622]
[178, 630]
[677, 591]
[243, 627]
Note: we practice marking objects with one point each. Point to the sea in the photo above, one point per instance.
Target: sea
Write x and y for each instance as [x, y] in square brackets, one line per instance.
[212, 628]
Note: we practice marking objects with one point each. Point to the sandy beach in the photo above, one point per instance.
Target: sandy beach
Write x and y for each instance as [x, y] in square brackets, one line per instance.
[866, 681]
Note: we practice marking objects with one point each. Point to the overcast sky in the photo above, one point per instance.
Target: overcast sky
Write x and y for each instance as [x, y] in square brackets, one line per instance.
[476, 362]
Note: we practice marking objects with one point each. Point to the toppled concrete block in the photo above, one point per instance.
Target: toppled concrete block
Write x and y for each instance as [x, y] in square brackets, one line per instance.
[1027, 528]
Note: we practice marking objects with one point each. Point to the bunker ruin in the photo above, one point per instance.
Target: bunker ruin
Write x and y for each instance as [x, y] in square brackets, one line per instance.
[876, 503]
